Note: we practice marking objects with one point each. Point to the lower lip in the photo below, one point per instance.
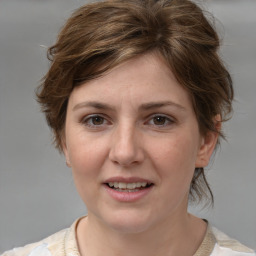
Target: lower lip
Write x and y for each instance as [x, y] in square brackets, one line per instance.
[123, 196]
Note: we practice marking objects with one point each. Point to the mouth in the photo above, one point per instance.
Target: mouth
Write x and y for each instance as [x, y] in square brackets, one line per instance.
[128, 187]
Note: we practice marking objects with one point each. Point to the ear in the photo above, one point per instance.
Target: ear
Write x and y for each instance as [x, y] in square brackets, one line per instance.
[208, 143]
[65, 151]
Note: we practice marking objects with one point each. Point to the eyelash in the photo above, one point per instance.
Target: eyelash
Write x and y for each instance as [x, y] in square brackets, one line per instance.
[167, 120]
[88, 121]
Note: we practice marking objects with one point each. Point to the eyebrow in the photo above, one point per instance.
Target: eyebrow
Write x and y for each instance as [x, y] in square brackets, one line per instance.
[93, 104]
[153, 105]
[143, 107]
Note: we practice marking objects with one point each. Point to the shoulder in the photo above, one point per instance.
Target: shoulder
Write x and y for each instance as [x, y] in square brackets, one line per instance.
[52, 245]
[62, 243]
[226, 246]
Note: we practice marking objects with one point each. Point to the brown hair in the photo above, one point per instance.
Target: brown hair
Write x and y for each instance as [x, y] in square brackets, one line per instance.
[101, 35]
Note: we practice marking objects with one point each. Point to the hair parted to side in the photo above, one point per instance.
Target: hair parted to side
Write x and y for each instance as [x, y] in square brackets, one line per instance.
[101, 35]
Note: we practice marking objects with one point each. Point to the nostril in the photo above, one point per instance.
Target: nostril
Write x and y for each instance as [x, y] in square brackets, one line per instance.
[125, 148]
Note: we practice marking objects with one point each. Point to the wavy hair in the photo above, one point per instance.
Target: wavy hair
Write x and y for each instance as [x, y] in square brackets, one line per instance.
[101, 35]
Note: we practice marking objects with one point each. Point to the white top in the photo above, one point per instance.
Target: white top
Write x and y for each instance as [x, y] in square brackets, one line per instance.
[63, 243]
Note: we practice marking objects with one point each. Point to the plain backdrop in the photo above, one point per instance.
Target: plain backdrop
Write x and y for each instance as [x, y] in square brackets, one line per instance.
[37, 194]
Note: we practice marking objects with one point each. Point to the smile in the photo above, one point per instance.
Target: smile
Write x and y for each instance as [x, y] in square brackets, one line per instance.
[128, 187]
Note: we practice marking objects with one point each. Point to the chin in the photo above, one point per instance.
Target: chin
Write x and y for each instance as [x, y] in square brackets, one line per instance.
[129, 222]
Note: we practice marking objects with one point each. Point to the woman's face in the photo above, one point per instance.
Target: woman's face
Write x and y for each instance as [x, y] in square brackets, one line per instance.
[133, 142]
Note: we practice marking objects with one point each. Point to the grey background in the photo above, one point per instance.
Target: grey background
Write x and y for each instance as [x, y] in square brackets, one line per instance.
[37, 195]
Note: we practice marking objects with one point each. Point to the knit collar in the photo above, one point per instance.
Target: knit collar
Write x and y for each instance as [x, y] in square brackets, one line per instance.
[71, 248]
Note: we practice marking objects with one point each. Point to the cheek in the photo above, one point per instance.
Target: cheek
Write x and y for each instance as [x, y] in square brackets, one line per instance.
[175, 158]
[86, 155]
[86, 160]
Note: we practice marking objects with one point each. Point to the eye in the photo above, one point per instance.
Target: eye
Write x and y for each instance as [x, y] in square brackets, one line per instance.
[94, 121]
[160, 120]
[97, 120]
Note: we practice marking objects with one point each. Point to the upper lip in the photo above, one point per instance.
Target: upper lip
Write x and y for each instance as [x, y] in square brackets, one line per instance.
[127, 180]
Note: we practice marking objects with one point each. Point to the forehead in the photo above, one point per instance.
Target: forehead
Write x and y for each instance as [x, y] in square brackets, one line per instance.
[142, 79]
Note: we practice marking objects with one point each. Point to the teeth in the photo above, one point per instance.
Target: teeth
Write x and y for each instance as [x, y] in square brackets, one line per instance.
[122, 185]
[131, 186]
[111, 184]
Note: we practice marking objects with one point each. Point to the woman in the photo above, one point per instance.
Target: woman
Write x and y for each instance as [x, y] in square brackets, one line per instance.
[135, 97]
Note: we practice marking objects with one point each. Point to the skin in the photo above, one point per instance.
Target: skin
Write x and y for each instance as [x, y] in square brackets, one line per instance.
[136, 121]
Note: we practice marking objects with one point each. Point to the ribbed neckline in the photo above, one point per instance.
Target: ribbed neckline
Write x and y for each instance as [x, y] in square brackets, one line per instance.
[71, 248]
[70, 240]
[208, 243]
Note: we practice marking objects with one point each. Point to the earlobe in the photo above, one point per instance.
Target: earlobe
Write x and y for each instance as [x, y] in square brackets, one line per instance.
[65, 152]
[208, 144]
[68, 164]
[207, 147]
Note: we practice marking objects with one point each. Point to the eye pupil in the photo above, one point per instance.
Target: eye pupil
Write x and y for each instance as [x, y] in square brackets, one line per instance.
[159, 120]
[97, 120]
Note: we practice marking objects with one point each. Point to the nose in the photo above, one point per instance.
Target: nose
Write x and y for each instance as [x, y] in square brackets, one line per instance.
[126, 148]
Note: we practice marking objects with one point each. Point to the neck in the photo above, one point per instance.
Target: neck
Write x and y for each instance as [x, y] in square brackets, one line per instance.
[176, 236]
